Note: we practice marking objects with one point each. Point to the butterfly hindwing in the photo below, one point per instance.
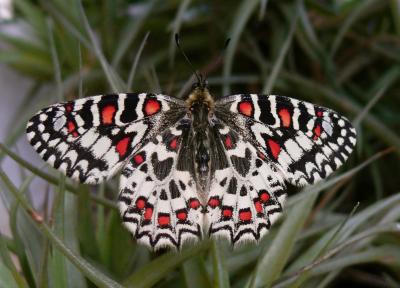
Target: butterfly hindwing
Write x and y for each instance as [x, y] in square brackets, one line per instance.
[247, 196]
[305, 141]
[158, 199]
[90, 139]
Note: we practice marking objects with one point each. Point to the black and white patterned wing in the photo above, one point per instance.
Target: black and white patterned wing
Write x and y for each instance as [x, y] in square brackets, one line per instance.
[90, 139]
[158, 199]
[305, 142]
[246, 195]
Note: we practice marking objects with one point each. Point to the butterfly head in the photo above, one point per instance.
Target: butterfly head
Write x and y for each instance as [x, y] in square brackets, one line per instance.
[200, 97]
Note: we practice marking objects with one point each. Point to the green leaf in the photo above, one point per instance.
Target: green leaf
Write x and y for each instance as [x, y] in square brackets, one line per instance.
[270, 81]
[6, 277]
[239, 20]
[149, 274]
[356, 13]
[98, 278]
[221, 276]
[195, 273]
[271, 264]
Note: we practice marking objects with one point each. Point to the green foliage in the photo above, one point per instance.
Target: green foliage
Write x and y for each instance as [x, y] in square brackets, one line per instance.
[341, 54]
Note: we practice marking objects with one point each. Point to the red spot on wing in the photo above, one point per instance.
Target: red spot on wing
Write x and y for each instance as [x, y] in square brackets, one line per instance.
[274, 147]
[264, 196]
[122, 146]
[151, 106]
[163, 220]
[138, 159]
[213, 202]
[227, 212]
[194, 203]
[107, 114]
[284, 114]
[148, 213]
[319, 113]
[182, 215]
[140, 203]
[173, 144]
[228, 142]
[317, 132]
[246, 108]
[258, 206]
[72, 128]
[245, 215]
[68, 107]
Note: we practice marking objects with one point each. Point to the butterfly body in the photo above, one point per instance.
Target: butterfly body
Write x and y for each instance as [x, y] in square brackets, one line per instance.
[194, 168]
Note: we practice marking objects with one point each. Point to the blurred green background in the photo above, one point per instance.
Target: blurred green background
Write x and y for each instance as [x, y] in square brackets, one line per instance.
[341, 54]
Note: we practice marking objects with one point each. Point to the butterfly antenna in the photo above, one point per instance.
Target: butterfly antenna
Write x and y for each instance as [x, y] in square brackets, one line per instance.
[198, 76]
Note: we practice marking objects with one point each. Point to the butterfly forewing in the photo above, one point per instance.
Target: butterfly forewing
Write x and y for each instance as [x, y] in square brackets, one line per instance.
[90, 139]
[305, 141]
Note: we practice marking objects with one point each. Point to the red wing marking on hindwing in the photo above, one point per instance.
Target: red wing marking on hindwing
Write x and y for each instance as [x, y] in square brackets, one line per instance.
[172, 214]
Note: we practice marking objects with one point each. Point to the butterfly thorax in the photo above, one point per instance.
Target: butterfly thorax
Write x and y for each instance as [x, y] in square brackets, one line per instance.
[201, 104]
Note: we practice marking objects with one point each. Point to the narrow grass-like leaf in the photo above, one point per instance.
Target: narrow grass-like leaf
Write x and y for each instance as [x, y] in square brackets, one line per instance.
[80, 89]
[270, 81]
[55, 60]
[119, 249]
[242, 15]
[353, 17]
[303, 274]
[382, 85]
[34, 16]
[263, 9]
[43, 274]
[308, 27]
[71, 240]
[149, 274]
[57, 261]
[86, 233]
[25, 235]
[6, 277]
[347, 230]
[271, 264]
[130, 32]
[384, 255]
[395, 8]
[6, 259]
[85, 267]
[195, 273]
[136, 62]
[221, 276]
[66, 23]
[20, 249]
[114, 81]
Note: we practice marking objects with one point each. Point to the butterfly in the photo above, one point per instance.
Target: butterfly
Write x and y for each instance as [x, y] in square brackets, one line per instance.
[196, 167]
